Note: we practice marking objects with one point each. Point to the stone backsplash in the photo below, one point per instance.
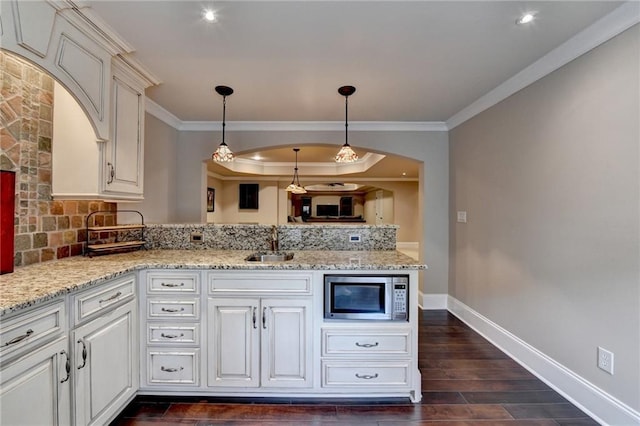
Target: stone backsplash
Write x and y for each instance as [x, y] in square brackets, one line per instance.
[44, 229]
[258, 237]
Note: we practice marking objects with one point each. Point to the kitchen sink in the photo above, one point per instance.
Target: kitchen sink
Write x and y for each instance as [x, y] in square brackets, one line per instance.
[269, 257]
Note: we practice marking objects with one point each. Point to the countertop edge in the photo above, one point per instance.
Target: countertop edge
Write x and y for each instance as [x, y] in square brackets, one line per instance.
[142, 265]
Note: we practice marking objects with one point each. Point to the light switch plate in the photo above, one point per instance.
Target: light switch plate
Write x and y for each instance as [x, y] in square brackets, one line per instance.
[462, 217]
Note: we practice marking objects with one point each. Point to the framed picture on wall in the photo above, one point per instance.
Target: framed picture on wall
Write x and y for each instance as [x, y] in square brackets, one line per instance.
[248, 196]
[211, 199]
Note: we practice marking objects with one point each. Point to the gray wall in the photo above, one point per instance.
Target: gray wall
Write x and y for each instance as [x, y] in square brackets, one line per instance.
[186, 204]
[160, 172]
[550, 182]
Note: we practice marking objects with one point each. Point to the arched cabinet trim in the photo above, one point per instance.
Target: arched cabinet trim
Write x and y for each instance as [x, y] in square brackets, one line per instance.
[77, 49]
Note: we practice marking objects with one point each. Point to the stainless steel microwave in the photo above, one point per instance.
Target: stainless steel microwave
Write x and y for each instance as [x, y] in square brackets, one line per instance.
[366, 297]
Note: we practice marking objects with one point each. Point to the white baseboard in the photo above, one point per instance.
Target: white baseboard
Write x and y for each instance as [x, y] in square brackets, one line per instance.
[603, 407]
[432, 301]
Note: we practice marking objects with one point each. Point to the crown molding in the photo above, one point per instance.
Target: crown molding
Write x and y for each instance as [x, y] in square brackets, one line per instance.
[315, 126]
[92, 25]
[609, 26]
[161, 114]
[167, 117]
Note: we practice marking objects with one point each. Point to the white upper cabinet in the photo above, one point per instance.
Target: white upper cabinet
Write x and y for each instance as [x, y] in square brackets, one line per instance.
[105, 159]
[123, 152]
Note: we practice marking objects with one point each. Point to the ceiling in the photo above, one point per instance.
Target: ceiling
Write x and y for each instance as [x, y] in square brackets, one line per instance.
[410, 61]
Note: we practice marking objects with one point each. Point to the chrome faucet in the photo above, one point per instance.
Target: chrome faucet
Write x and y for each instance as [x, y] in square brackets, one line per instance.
[274, 238]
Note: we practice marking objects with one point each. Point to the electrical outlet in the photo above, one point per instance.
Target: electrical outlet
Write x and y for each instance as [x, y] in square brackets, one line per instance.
[355, 238]
[196, 237]
[462, 217]
[605, 360]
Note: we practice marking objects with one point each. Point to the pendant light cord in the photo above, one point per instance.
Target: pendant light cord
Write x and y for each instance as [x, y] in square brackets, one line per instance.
[346, 120]
[224, 115]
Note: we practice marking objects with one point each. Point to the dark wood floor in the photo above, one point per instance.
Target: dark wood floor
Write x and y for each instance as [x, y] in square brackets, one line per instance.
[465, 381]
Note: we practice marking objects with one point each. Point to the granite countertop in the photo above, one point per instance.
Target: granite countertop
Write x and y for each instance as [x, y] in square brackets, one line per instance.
[31, 285]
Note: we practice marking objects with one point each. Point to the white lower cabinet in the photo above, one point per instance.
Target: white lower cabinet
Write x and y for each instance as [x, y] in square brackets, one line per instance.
[35, 390]
[171, 322]
[173, 366]
[104, 347]
[259, 342]
[370, 358]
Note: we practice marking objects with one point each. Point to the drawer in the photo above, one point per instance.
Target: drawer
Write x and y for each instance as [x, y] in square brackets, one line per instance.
[365, 374]
[340, 342]
[252, 283]
[169, 282]
[165, 308]
[160, 333]
[175, 367]
[32, 329]
[105, 297]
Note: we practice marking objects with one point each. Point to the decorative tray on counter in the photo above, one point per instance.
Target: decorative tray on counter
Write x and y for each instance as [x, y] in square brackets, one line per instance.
[106, 239]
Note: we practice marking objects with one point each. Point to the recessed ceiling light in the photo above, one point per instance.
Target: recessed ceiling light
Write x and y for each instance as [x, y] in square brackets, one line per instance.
[526, 18]
[256, 157]
[209, 15]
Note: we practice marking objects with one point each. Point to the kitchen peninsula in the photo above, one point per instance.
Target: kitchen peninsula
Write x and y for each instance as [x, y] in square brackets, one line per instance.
[196, 322]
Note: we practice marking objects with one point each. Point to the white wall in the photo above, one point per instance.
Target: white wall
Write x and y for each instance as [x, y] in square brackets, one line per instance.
[75, 153]
[429, 147]
[550, 182]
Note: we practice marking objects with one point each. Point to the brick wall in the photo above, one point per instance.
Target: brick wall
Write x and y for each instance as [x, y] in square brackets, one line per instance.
[44, 229]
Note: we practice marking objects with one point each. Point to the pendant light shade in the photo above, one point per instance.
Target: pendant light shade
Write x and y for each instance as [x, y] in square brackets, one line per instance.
[295, 187]
[223, 154]
[346, 153]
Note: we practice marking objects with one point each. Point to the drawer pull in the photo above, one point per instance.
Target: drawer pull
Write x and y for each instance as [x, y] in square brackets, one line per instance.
[108, 299]
[67, 366]
[367, 376]
[171, 369]
[84, 354]
[19, 339]
[172, 310]
[172, 285]
[171, 336]
[367, 345]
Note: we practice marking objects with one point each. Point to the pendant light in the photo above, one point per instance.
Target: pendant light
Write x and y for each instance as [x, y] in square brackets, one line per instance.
[346, 153]
[295, 187]
[223, 154]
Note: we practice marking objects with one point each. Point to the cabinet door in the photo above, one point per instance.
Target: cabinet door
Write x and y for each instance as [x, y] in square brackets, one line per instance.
[106, 365]
[35, 390]
[233, 339]
[124, 151]
[286, 343]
